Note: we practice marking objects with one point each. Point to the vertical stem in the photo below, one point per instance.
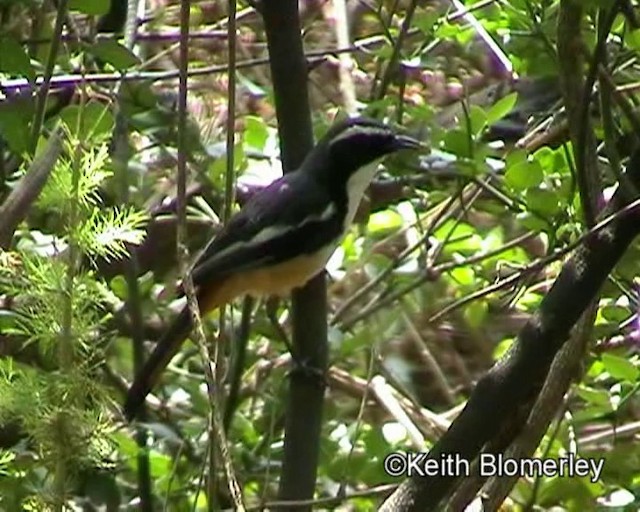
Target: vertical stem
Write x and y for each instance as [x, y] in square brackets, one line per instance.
[65, 346]
[216, 430]
[231, 112]
[41, 102]
[60, 484]
[120, 157]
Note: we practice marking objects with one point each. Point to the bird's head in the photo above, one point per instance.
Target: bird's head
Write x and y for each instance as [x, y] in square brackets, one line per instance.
[354, 146]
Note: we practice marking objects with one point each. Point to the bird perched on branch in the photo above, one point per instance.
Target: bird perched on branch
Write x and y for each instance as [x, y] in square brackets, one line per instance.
[284, 235]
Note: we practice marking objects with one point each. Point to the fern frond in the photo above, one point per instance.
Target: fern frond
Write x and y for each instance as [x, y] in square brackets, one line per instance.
[106, 233]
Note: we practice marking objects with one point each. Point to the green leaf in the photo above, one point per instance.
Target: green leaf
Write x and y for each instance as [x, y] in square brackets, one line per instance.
[462, 35]
[146, 283]
[524, 175]
[256, 132]
[502, 107]
[633, 39]
[385, 220]
[114, 53]
[478, 119]
[464, 276]
[515, 157]
[14, 60]
[90, 7]
[614, 313]
[14, 123]
[459, 237]
[620, 368]
[501, 348]
[160, 464]
[476, 313]
[92, 121]
[425, 20]
[218, 168]
[598, 397]
[532, 222]
[120, 287]
[457, 141]
[8, 320]
[542, 201]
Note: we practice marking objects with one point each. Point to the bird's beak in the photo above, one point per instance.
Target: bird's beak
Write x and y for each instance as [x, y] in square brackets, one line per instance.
[406, 142]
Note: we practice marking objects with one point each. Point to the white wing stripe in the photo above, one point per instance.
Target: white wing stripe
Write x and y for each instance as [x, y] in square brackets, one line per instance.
[274, 232]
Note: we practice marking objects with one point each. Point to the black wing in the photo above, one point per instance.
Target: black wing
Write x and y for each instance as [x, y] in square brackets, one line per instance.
[294, 215]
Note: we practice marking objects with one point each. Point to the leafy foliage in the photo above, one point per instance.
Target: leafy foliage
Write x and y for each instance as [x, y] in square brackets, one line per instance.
[455, 252]
[60, 308]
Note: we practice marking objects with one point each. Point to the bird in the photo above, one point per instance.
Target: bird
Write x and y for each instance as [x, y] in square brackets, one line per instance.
[283, 236]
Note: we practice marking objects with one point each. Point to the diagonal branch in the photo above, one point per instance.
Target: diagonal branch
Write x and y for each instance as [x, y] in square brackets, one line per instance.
[17, 205]
[502, 399]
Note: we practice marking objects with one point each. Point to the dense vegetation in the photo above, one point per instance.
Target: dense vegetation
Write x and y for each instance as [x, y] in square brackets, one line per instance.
[529, 108]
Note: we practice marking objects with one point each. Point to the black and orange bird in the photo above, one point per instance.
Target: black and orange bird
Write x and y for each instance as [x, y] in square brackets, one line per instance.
[284, 235]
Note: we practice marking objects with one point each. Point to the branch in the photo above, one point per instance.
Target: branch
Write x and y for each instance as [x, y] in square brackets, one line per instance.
[303, 423]
[502, 399]
[17, 205]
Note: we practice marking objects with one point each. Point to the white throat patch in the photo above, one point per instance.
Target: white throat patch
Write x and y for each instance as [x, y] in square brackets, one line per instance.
[356, 185]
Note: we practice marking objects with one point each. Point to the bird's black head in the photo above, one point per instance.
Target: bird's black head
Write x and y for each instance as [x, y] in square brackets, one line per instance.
[352, 146]
[346, 158]
[355, 142]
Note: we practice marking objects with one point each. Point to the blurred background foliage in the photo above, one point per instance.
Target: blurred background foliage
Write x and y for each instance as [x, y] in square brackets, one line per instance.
[452, 250]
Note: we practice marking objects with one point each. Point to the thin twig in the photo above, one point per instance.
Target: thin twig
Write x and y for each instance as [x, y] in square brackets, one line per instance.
[41, 102]
[346, 63]
[121, 156]
[394, 59]
[216, 429]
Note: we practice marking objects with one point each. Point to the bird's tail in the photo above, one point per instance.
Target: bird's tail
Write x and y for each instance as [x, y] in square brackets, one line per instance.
[210, 296]
[148, 376]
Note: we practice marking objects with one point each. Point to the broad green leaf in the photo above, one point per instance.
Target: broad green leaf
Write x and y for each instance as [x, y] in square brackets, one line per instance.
[596, 369]
[524, 175]
[385, 220]
[90, 7]
[457, 141]
[127, 446]
[462, 35]
[256, 132]
[632, 38]
[532, 222]
[515, 157]
[425, 20]
[476, 313]
[501, 348]
[8, 320]
[146, 283]
[93, 121]
[542, 201]
[464, 276]
[218, 168]
[15, 115]
[114, 53]
[119, 286]
[614, 313]
[478, 119]
[620, 368]
[598, 397]
[14, 61]
[160, 464]
[459, 237]
[502, 107]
